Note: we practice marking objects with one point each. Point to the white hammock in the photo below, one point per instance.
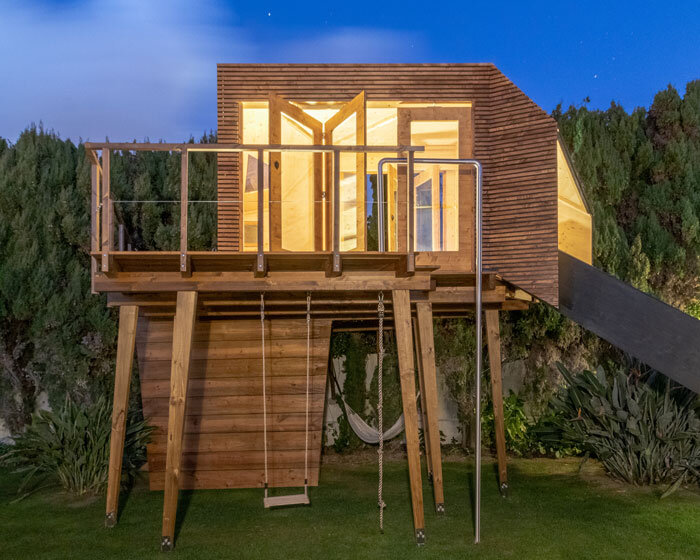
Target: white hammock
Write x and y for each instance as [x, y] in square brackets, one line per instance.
[363, 430]
[367, 433]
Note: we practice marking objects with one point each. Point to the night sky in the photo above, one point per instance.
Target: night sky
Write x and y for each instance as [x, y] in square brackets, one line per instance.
[131, 69]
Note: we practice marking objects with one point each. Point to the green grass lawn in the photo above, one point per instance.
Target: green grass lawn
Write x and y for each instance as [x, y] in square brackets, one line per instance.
[552, 512]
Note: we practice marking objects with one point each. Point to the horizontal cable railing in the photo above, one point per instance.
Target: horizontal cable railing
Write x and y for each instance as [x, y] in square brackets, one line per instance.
[103, 203]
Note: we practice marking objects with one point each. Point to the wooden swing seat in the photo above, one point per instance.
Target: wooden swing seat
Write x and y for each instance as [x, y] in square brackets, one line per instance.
[289, 500]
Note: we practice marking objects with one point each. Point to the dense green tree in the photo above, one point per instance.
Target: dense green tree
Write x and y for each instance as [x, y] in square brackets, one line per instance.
[55, 336]
[640, 170]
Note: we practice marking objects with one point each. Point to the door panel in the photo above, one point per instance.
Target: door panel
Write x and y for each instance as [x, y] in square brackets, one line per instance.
[295, 180]
[444, 194]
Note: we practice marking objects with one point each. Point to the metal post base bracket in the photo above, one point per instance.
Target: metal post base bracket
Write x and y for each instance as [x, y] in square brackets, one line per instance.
[440, 508]
[420, 537]
[166, 544]
[110, 520]
[504, 489]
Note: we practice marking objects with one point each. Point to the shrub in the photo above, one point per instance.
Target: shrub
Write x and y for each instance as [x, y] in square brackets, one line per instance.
[643, 431]
[517, 427]
[71, 446]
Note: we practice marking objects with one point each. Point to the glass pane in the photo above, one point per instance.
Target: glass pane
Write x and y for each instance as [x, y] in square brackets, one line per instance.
[297, 189]
[346, 134]
[436, 186]
[382, 127]
[255, 123]
[250, 201]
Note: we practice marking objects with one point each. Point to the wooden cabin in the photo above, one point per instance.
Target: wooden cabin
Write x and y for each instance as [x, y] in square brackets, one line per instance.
[304, 229]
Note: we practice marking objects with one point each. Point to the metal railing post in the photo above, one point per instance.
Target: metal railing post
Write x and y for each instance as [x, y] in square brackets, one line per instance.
[336, 212]
[121, 237]
[184, 199]
[477, 444]
[410, 182]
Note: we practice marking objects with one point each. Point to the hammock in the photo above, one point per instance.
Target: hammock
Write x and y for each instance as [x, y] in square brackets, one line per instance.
[362, 429]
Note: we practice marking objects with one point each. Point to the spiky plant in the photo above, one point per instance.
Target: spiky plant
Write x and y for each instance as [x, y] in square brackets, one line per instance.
[644, 431]
[70, 446]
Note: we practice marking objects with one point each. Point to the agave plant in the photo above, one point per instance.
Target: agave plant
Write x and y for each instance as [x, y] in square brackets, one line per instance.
[71, 446]
[643, 431]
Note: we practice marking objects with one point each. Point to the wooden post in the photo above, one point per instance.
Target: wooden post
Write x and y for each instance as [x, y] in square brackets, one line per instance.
[423, 407]
[401, 303]
[183, 330]
[128, 318]
[426, 351]
[260, 269]
[493, 337]
[95, 231]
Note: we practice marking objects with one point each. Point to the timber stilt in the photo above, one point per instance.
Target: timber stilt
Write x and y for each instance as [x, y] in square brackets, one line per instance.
[426, 346]
[404, 344]
[493, 340]
[183, 330]
[128, 318]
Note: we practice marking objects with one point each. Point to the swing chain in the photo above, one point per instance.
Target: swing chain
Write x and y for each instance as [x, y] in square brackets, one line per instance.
[380, 406]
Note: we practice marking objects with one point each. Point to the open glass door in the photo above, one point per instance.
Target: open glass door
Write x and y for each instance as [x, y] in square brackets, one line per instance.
[347, 127]
[295, 180]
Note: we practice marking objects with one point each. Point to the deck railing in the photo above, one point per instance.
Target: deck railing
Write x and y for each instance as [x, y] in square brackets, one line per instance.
[102, 205]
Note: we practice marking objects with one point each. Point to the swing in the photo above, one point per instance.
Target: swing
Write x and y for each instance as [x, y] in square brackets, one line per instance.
[290, 499]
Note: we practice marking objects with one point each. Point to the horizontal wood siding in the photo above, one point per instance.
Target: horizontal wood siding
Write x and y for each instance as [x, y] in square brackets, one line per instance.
[520, 190]
[514, 139]
[223, 443]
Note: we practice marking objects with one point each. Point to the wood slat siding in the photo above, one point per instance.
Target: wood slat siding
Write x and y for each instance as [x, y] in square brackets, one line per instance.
[223, 441]
[513, 138]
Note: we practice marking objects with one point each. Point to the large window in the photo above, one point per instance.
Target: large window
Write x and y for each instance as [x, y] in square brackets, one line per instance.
[298, 186]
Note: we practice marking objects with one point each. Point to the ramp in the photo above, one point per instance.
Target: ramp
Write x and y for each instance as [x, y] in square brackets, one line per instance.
[655, 333]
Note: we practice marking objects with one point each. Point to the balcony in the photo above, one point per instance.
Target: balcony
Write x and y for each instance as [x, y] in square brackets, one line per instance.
[412, 212]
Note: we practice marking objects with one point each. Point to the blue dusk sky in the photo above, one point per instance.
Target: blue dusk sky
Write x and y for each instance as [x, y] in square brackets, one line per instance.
[137, 69]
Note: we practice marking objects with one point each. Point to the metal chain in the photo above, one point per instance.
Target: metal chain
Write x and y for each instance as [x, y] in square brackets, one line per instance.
[380, 406]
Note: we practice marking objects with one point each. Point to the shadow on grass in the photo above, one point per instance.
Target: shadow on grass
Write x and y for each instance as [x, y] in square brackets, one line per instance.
[183, 505]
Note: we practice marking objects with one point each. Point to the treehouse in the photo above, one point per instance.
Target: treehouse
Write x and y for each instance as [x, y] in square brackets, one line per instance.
[347, 196]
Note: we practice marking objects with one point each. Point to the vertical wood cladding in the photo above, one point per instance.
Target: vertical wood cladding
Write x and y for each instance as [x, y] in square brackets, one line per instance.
[223, 440]
[513, 138]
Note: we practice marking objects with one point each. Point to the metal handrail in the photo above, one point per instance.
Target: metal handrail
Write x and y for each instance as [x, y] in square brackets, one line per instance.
[409, 161]
[224, 148]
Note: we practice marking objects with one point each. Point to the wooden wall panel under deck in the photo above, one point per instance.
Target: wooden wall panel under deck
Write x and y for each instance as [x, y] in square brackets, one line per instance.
[223, 442]
[513, 138]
